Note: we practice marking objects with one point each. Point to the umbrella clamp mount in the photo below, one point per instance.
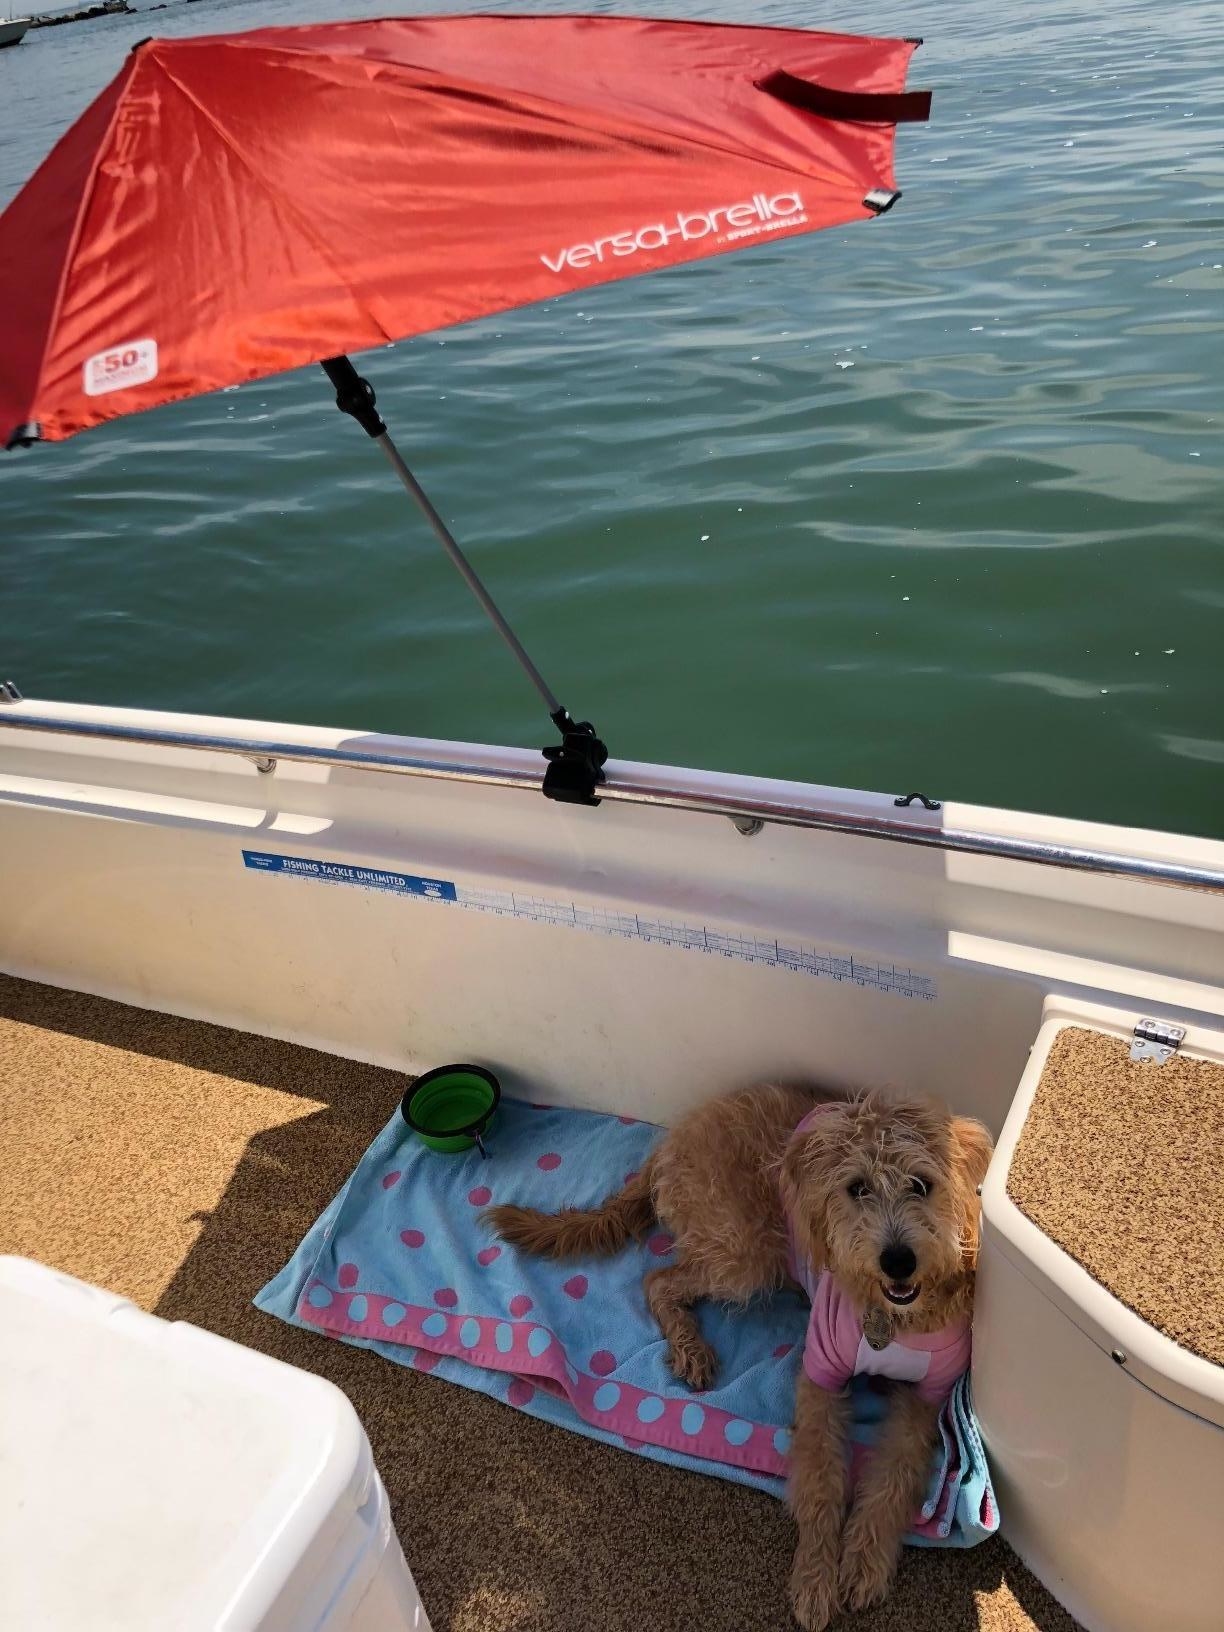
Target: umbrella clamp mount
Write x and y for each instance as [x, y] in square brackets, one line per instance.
[575, 764]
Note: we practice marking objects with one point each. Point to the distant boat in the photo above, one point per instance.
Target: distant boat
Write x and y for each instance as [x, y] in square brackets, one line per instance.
[13, 30]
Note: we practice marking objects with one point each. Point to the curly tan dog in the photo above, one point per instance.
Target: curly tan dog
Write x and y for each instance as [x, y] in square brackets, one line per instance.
[868, 1202]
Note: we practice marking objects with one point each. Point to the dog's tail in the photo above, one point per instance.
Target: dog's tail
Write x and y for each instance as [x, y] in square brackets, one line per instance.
[577, 1232]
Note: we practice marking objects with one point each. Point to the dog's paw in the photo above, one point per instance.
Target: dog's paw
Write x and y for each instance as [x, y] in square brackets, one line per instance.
[866, 1571]
[813, 1592]
[694, 1362]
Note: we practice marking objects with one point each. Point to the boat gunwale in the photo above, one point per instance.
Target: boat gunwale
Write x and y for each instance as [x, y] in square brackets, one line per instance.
[643, 789]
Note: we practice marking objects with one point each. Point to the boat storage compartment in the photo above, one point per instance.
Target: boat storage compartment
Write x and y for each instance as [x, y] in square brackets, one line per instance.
[158, 1477]
[1098, 1349]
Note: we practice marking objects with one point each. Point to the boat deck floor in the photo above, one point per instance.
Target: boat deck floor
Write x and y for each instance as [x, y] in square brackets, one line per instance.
[179, 1164]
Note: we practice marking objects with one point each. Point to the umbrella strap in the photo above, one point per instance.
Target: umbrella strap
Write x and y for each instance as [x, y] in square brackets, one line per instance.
[855, 107]
[575, 765]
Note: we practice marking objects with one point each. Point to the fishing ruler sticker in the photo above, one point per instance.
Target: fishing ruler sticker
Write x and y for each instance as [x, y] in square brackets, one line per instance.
[844, 967]
[340, 872]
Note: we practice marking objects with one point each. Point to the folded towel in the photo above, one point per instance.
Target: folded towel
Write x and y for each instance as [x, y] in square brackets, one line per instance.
[399, 1262]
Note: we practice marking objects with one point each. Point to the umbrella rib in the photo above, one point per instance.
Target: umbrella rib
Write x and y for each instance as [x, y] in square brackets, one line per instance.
[318, 243]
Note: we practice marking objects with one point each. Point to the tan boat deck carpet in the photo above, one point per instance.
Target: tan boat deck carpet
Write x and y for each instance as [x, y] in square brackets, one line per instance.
[180, 1164]
[1120, 1164]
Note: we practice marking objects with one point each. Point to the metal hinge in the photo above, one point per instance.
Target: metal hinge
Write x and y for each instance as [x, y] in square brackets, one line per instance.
[9, 692]
[1156, 1040]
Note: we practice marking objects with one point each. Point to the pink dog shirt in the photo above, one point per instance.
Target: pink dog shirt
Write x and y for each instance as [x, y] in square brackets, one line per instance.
[836, 1350]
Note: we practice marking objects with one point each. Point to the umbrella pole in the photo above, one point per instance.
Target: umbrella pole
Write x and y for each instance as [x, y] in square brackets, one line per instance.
[575, 765]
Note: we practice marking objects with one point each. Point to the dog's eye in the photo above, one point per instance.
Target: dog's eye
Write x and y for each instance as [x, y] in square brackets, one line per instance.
[858, 1188]
[921, 1187]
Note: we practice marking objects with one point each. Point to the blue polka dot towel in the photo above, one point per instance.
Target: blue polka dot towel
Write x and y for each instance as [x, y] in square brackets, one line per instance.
[400, 1263]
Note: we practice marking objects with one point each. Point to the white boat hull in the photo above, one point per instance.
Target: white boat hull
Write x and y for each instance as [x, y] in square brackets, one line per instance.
[638, 957]
[13, 31]
[627, 955]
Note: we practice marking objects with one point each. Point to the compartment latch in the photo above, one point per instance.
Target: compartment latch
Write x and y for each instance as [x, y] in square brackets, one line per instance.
[1156, 1040]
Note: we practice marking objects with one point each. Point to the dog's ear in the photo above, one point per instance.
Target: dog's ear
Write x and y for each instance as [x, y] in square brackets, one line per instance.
[971, 1150]
[804, 1180]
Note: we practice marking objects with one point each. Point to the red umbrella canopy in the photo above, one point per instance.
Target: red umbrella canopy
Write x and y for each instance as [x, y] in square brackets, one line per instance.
[235, 205]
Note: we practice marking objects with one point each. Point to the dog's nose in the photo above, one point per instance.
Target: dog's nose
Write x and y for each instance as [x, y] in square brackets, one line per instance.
[898, 1261]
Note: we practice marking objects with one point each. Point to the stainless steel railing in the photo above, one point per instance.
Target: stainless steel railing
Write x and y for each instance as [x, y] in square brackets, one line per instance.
[918, 828]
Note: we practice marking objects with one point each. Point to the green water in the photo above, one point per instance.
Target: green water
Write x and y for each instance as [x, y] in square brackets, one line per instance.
[935, 501]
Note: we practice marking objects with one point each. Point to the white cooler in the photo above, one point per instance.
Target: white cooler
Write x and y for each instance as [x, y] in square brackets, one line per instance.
[1105, 1438]
[155, 1478]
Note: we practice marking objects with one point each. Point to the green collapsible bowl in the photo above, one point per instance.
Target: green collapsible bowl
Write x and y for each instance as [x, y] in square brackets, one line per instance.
[451, 1108]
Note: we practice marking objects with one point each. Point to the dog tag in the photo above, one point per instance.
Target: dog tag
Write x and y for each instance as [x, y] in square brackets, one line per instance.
[877, 1329]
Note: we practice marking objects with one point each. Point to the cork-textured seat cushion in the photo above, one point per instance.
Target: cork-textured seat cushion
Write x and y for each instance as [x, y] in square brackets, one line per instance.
[1121, 1163]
